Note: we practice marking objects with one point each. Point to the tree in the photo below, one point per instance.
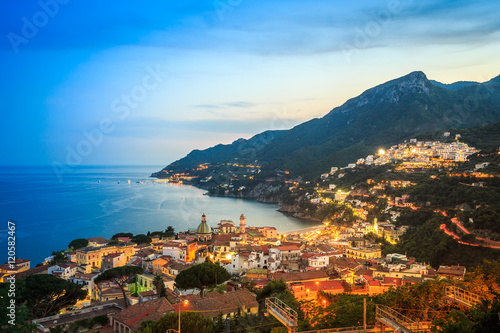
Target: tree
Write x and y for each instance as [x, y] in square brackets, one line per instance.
[122, 234]
[46, 295]
[190, 322]
[454, 322]
[141, 239]
[161, 291]
[169, 232]
[202, 276]
[78, 243]
[119, 276]
[59, 257]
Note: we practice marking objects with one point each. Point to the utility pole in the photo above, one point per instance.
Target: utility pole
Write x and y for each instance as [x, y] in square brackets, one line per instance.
[364, 313]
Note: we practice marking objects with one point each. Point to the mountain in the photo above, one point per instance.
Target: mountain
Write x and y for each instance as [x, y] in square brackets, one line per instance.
[220, 152]
[379, 117]
[455, 85]
[463, 84]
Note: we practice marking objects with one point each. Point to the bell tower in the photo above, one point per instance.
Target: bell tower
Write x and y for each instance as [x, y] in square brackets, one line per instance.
[243, 223]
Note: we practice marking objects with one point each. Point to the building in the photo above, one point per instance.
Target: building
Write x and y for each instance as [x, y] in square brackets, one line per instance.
[204, 232]
[21, 264]
[87, 280]
[301, 276]
[289, 252]
[229, 303]
[308, 290]
[455, 271]
[98, 241]
[91, 257]
[243, 223]
[130, 319]
[63, 270]
[363, 253]
[113, 260]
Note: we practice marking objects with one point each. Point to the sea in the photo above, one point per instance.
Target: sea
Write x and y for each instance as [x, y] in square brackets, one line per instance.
[49, 212]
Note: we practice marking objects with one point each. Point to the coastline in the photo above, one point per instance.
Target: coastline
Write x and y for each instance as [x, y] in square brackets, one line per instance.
[280, 206]
[302, 231]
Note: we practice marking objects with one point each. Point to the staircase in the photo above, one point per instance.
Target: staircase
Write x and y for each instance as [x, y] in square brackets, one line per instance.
[462, 296]
[398, 322]
[285, 314]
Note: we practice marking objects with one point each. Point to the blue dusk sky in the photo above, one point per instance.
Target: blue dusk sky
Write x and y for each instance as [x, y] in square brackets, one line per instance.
[145, 82]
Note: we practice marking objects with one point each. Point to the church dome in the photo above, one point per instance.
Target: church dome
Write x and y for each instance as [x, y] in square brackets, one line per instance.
[203, 228]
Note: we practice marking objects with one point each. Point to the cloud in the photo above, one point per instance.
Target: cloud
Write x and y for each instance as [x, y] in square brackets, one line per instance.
[240, 104]
[158, 127]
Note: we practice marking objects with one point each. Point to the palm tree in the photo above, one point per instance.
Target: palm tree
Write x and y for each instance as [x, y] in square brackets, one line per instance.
[160, 286]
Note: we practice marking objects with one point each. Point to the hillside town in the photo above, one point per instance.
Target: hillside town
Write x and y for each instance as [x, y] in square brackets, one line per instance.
[343, 255]
[333, 260]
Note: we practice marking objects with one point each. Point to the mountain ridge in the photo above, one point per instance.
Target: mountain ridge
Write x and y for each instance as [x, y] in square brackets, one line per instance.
[380, 116]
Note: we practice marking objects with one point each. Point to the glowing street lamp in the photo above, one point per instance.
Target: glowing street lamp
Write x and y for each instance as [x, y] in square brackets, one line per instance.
[180, 308]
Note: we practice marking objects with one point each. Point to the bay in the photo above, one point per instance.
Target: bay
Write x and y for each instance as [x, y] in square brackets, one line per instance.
[95, 201]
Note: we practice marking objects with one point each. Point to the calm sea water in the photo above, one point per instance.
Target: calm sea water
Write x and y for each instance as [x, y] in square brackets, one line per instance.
[49, 213]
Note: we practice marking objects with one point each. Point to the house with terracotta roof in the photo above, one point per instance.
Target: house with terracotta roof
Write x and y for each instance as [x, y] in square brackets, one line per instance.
[155, 265]
[301, 276]
[130, 319]
[289, 252]
[87, 280]
[113, 260]
[98, 241]
[145, 296]
[229, 303]
[176, 249]
[7, 270]
[63, 270]
[309, 289]
[43, 269]
[455, 271]
[21, 264]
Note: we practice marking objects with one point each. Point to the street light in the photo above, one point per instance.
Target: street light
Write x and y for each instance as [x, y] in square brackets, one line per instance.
[180, 308]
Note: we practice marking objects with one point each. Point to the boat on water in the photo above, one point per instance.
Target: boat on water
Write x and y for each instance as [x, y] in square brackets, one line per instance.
[118, 182]
[128, 181]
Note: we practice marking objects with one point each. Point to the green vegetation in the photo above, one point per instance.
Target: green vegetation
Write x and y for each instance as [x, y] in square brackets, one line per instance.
[190, 322]
[78, 325]
[42, 295]
[78, 243]
[160, 286]
[58, 257]
[428, 243]
[120, 276]
[202, 276]
[122, 234]
[361, 126]
[141, 239]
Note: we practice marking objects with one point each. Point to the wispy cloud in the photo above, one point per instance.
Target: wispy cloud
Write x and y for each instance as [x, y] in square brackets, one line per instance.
[239, 104]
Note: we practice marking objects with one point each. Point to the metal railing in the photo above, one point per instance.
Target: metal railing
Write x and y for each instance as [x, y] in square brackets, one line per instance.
[462, 296]
[369, 328]
[395, 320]
[279, 309]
